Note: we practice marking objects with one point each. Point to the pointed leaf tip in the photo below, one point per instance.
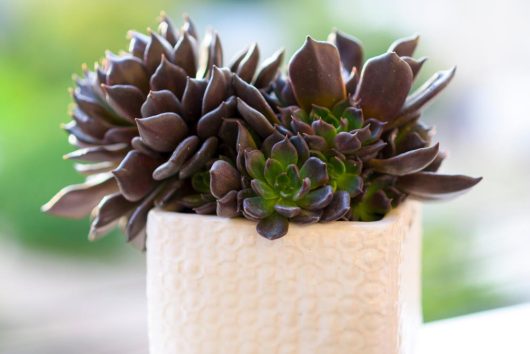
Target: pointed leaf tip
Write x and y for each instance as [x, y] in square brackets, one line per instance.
[350, 50]
[405, 47]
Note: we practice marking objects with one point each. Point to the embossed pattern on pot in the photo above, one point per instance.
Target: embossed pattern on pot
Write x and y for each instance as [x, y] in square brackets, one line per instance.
[215, 286]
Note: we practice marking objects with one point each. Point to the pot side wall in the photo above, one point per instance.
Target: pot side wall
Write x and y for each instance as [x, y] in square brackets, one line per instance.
[215, 286]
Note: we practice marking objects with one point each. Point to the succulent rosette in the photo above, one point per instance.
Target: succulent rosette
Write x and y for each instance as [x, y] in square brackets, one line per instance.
[145, 124]
[359, 123]
[167, 125]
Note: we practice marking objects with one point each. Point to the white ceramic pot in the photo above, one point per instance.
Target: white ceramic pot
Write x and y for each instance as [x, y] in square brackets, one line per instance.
[215, 286]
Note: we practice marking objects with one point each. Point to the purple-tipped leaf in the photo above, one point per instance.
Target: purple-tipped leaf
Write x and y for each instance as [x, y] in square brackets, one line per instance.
[263, 189]
[254, 163]
[284, 152]
[287, 210]
[347, 143]
[316, 171]
[301, 147]
[258, 207]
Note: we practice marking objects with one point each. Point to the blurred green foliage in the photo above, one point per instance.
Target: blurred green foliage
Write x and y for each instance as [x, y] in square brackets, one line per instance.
[43, 42]
[451, 281]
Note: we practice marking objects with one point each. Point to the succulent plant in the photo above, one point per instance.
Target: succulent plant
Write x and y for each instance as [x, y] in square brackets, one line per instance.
[364, 128]
[336, 138]
[146, 121]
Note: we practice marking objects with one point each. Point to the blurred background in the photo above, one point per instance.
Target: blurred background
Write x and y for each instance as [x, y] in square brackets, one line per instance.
[61, 292]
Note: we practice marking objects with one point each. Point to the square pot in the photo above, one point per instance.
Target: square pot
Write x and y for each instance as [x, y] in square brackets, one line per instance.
[215, 286]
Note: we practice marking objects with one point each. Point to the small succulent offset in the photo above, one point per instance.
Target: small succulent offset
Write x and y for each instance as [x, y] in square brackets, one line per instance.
[335, 138]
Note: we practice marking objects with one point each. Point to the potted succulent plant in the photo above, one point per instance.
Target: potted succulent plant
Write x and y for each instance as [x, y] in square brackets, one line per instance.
[227, 166]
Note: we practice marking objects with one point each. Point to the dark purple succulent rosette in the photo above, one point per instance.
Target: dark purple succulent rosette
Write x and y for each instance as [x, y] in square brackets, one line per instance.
[145, 124]
[359, 133]
[167, 125]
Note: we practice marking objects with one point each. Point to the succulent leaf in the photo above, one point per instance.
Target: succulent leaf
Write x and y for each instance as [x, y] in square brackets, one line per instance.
[272, 169]
[76, 201]
[273, 227]
[249, 63]
[158, 102]
[315, 73]
[255, 119]
[182, 153]
[339, 206]
[223, 179]
[406, 163]
[269, 70]
[317, 199]
[384, 85]
[316, 170]
[162, 132]
[405, 47]
[134, 175]
[199, 159]
[432, 186]
[227, 206]
[427, 91]
[263, 189]
[287, 209]
[255, 163]
[258, 207]
[284, 152]
[350, 49]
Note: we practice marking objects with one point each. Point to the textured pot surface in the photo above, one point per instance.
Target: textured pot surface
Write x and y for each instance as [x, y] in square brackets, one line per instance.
[215, 286]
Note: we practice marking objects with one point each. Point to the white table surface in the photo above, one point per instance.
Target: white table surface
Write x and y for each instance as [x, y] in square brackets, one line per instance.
[501, 331]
